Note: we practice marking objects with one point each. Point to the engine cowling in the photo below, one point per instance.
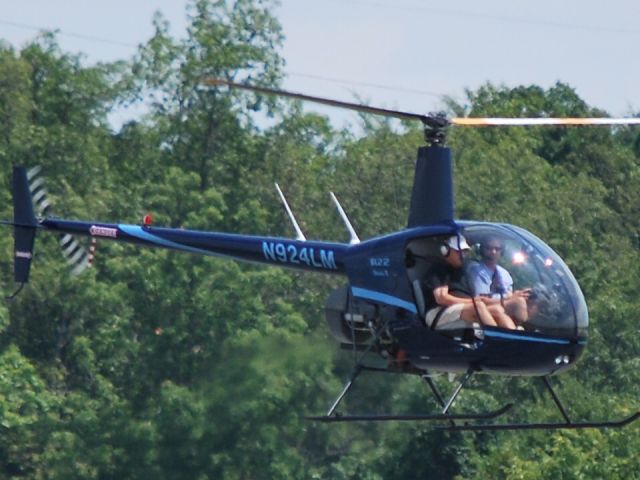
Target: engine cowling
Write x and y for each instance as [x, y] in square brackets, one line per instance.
[350, 319]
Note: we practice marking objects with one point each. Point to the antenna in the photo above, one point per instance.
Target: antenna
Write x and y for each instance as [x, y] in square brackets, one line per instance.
[299, 234]
[354, 237]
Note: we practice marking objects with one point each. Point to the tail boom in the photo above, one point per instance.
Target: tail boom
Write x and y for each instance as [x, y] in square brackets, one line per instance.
[324, 257]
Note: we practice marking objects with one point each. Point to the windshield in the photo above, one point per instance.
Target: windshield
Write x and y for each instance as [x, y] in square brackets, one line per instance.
[507, 262]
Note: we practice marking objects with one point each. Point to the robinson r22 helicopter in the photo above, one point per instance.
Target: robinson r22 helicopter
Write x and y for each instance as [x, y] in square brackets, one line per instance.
[381, 309]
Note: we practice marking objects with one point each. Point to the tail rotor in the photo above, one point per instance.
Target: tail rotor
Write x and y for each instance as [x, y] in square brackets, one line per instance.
[30, 197]
[75, 254]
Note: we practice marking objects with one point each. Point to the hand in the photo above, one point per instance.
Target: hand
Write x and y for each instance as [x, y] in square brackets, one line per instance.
[523, 293]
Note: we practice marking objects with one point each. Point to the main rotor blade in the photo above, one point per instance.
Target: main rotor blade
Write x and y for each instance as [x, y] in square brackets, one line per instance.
[325, 101]
[436, 121]
[498, 122]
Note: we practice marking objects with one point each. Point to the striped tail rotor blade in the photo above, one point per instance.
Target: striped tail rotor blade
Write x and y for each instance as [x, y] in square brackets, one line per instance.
[81, 265]
[33, 172]
[39, 196]
[74, 253]
[38, 191]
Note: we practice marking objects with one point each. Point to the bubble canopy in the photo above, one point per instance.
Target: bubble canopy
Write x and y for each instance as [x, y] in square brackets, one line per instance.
[506, 259]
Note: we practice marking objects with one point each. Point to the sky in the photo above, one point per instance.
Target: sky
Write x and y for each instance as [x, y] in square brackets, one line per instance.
[399, 54]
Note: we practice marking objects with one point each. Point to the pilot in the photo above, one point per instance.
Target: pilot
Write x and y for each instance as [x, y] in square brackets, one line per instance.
[448, 294]
[494, 284]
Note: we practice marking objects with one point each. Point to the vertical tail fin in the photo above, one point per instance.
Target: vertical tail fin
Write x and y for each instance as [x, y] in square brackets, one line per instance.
[432, 198]
[23, 213]
[25, 224]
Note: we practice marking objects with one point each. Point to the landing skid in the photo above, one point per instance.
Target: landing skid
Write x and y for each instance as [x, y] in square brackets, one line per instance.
[418, 417]
[333, 416]
[567, 424]
[543, 426]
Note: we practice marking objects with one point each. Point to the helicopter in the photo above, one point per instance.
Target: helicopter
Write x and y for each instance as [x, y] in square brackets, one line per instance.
[382, 309]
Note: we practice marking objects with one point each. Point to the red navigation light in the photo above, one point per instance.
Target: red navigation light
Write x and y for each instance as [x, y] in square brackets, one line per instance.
[146, 220]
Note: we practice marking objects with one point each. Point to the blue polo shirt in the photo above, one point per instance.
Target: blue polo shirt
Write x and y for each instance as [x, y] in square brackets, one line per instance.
[490, 282]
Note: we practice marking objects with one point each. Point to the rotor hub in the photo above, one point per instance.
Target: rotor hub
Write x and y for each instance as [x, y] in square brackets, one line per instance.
[436, 127]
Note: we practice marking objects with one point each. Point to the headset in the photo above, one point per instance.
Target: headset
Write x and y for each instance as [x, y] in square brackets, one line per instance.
[445, 247]
[450, 243]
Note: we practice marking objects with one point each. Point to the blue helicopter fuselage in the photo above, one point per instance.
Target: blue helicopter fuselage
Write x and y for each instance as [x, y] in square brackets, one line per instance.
[380, 276]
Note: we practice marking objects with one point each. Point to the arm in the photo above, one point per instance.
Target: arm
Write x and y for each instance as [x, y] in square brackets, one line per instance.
[495, 298]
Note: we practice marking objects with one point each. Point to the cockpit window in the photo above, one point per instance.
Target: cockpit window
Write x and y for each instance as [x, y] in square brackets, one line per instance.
[511, 263]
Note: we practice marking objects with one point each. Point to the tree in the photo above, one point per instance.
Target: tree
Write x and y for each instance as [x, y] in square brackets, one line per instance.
[165, 365]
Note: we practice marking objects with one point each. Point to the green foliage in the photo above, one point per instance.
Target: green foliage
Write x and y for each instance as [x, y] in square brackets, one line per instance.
[155, 364]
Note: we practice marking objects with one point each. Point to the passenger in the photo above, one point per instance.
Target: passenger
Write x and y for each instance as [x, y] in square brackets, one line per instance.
[494, 283]
[448, 294]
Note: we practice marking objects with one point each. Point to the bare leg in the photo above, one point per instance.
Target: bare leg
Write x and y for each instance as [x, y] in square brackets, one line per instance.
[502, 319]
[516, 307]
[483, 315]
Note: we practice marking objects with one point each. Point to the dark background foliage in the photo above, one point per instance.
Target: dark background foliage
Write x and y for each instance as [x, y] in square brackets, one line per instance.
[155, 364]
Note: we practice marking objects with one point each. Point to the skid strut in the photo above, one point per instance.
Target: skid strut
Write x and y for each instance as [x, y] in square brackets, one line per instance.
[416, 417]
[333, 416]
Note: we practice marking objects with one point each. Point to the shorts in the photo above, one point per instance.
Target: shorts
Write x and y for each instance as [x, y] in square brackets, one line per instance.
[445, 315]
